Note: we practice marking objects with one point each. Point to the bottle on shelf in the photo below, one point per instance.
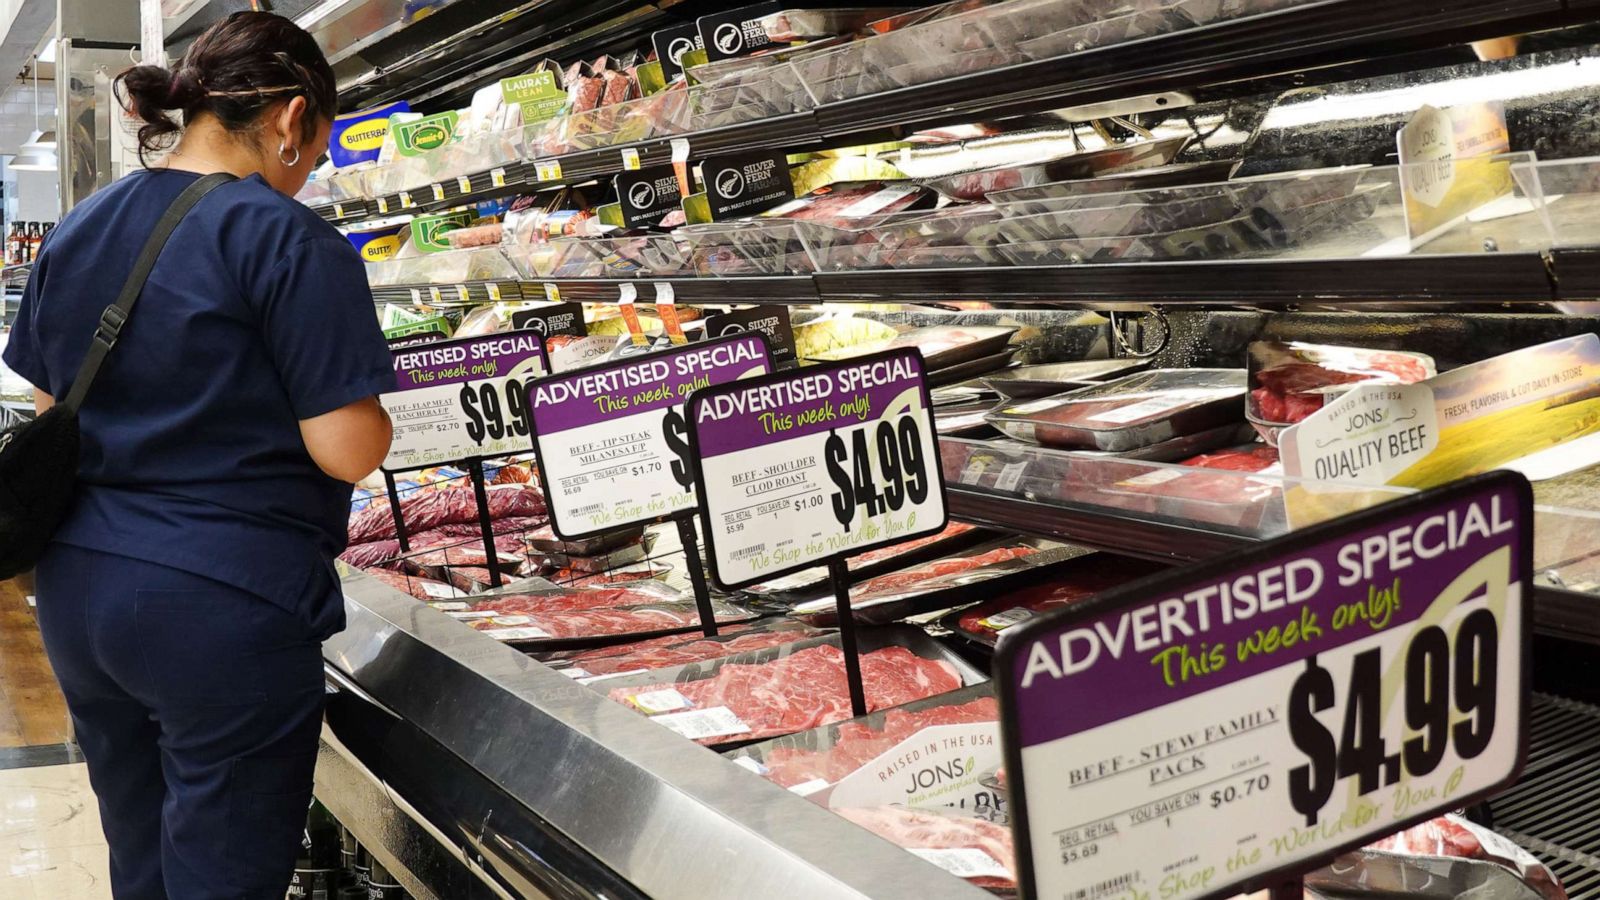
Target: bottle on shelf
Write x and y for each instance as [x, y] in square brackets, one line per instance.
[34, 237]
[354, 860]
[316, 868]
[384, 886]
[14, 245]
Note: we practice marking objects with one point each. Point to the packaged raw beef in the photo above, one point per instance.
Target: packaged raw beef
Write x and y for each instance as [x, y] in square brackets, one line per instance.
[834, 751]
[373, 553]
[540, 613]
[1024, 382]
[524, 527]
[468, 552]
[1226, 497]
[1073, 581]
[954, 536]
[977, 849]
[545, 539]
[1244, 458]
[535, 595]
[850, 203]
[1446, 857]
[791, 694]
[1289, 382]
[424, 510]
[943, 583]
[562, 659]
[1131, 412]
[679, 651]
[424, 589]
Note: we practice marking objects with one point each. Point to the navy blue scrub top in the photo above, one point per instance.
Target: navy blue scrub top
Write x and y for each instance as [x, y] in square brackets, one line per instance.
[257, 315]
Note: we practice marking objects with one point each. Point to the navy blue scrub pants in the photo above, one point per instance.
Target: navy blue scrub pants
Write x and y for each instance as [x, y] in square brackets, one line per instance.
[197, 706]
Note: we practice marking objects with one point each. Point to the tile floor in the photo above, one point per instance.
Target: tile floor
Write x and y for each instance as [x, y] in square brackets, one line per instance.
[50, 842]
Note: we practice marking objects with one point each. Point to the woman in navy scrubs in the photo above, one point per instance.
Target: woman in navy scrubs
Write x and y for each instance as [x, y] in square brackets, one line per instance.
[184, 601]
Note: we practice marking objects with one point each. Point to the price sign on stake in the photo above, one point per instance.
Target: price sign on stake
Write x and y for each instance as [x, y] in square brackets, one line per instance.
[612, 441]
[1232, 726]
[461, 399]
[816, 464]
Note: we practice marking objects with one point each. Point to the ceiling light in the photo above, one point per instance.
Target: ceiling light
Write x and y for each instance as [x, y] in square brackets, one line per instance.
[34, 161]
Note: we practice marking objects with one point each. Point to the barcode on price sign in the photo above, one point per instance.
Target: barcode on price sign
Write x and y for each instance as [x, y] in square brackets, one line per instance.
[1105, 888]
[1249, 719]
[816, 463]
[459, 399]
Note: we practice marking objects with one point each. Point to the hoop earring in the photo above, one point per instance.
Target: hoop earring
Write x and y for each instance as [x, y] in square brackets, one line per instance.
[290, 163]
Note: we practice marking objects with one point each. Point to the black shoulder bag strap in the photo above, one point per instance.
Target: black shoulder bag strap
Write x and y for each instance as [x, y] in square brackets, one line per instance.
[116, 315]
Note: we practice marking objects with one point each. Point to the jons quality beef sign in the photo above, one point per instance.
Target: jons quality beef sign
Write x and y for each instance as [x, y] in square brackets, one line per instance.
[1218, 728]
[611, 438]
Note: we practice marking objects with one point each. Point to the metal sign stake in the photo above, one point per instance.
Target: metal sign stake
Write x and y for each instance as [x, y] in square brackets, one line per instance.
[839, 574]
[485, 524]
[690, 540]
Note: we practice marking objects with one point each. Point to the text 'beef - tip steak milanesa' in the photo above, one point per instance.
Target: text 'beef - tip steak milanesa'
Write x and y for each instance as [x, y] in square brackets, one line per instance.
[809, 688]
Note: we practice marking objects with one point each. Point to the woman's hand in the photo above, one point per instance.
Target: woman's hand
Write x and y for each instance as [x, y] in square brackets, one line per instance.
[350, 442]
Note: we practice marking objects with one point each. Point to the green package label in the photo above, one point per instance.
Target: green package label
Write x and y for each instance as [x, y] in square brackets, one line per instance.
[540, 96]
[425, 134]
[428, 232]
[437, 324]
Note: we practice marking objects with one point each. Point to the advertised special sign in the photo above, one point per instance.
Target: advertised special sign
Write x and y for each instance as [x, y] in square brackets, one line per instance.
[816, 463]
[1228, 726]
[461, 399]
[612, 444]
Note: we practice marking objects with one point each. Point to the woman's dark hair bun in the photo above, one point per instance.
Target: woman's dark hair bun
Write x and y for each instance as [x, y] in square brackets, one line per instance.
[237, 70]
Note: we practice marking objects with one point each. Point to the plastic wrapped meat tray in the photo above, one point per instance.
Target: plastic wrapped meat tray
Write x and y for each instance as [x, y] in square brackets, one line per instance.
[943, 583]
[427, 590]
[424, 510]
[1291, 382]
[954, 236]
[682, 650]
[1025, 382]
[545, 539]
[1446, 857]
[1072, 582]
[974, 186]
[928, 834]
[800, 686]
[955, 536]
[1131, 412]
[1178, 174]
[1213, 489]
[538, 613]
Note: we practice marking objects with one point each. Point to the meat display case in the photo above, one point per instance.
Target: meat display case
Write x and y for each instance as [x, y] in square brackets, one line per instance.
[471, 770]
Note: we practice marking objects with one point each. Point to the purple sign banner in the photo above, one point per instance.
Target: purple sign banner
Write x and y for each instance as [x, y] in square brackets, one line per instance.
[1218, 729]
[460, 399]
[815, 464]
[613, 448]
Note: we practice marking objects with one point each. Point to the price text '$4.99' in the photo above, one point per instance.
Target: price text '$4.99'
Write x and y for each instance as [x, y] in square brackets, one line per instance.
[1443, 682]
[881, 482]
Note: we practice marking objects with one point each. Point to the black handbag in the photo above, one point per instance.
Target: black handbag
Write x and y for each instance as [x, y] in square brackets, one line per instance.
[39, 458]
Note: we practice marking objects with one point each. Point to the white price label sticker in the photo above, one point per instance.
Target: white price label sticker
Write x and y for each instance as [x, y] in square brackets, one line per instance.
[807, 788]
[463, 295]
[444, 409]
[612, 438]
[626, 294]
[665, 294]
[517, 634]
[1010, 476]
[575, 673]
[434, 294]
[808, 465]
[440, 591]
[552, 292]
[470, 614]
[680, 150]
[464, 184]
[1316, 692]
[338, 210]
[451, 605]
[548, 169]
[406, 200]
[497, 177]
[1010, 618]
[701, 724]
[493, 288]
[438, 192]
[663, 701]
[630, 159]
[383, 205]
[964, 862]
